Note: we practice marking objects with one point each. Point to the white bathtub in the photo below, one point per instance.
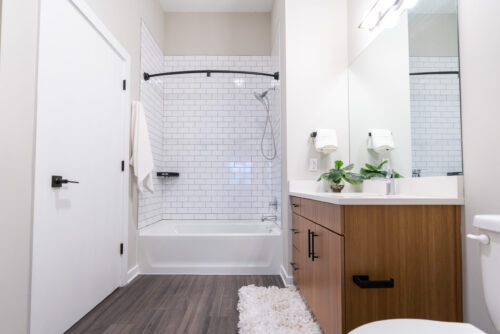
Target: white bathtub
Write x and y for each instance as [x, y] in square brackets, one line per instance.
[210, 247]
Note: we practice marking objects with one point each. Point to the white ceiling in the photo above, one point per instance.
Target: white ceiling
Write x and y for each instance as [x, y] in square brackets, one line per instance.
[217, 5]
[435, 7]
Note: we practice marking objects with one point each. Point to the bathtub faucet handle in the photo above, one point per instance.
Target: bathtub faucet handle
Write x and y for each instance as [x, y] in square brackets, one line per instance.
[274, 204]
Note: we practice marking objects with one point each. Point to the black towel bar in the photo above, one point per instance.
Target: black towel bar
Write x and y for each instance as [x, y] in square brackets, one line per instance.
[167, 174]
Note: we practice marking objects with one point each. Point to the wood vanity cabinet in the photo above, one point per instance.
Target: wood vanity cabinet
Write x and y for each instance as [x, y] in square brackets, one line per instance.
[405, 259]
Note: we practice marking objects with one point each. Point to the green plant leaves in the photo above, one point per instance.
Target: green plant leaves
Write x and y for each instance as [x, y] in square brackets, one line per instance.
[349, 167]
[382, 164]
[371, 167]
[338, 164]
[337, 174]
[373, 172]
[370, 173]
[353, 178]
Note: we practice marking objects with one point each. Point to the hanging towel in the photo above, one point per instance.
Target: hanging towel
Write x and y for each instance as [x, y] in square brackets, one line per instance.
[326, 140]
[381, 140]
[142, 157]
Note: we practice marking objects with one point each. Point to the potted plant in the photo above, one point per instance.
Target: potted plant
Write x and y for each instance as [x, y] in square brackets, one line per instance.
[376, 171]
[338, 174]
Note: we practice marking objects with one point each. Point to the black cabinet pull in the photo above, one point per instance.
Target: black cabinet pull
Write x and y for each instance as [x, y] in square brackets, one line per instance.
[294, 267]
[294, 231]
[295, 205]
[313, 256]
[309, 253]
[363, 281]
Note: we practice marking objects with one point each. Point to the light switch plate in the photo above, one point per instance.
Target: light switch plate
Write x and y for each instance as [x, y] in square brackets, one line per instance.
[313, 165]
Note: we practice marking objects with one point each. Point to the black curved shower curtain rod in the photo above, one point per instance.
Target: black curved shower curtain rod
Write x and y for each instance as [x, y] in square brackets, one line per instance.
[275, 75]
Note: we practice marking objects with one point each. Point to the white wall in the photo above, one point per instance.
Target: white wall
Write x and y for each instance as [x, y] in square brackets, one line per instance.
[217, 34]
[18, 59]
[276, 114]
[359, 39]
[278, 31]
[18, 56]
[379, 98]
[480, 53]
[0, 23]
[315, 94]
[316, 76]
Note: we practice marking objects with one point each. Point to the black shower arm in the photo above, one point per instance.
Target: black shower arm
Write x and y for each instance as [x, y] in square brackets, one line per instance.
[275, 75]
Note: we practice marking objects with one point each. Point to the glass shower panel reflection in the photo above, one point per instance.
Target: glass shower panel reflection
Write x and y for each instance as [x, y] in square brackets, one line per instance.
[435, 116]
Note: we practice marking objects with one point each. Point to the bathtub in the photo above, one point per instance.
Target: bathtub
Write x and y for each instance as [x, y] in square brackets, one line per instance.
[210, 248]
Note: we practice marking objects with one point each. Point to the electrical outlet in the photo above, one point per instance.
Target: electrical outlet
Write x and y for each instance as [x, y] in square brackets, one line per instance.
[313, 165]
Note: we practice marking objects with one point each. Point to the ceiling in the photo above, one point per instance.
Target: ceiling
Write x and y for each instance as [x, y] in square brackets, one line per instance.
[217, 5]
[435, 7]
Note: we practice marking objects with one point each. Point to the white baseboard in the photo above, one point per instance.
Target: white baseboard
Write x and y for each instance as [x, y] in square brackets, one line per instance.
[287, 279]
[132, 273]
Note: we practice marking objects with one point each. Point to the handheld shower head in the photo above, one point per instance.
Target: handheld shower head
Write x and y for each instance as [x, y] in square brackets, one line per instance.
[260, 96]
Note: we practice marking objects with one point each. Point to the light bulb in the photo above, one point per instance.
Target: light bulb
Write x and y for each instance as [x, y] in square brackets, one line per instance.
[408, 4]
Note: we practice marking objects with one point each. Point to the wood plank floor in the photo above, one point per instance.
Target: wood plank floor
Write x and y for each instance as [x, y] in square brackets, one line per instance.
[172, 304]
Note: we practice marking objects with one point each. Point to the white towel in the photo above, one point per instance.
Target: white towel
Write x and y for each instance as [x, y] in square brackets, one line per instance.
[326, 140]
[381, 140]
[142, 157]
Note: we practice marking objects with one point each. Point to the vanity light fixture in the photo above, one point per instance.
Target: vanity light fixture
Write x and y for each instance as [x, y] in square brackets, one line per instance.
[385, 13]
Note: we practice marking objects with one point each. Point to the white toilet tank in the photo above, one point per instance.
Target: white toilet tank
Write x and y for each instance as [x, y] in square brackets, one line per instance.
[489, 227]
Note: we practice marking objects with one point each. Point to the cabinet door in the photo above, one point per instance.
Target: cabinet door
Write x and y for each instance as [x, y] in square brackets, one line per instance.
[299, 233]
[295, 202]
[307, 264]
[297, 266]
[417, 246]
[300, 254]
[328, 266]
[327, 215]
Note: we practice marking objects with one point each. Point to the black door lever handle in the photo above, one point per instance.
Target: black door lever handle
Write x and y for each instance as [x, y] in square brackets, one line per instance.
[58, 181]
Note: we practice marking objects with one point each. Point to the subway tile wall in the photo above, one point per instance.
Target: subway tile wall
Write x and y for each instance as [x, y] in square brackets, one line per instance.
[151, 205]
[212, 136]
[435, 116]
[209, 130]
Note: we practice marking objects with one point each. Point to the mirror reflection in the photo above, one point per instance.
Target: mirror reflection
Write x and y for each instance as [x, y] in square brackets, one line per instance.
[404, 95]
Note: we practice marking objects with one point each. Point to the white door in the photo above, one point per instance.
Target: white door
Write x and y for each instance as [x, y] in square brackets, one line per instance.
[80, 135]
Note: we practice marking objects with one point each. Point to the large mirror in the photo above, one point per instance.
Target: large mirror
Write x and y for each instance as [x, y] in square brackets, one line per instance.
[404, 95]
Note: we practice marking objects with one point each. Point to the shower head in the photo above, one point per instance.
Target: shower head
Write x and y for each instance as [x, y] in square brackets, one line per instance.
[261, 96]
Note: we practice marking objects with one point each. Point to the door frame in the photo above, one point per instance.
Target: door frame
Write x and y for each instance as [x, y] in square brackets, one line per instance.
[94, 21]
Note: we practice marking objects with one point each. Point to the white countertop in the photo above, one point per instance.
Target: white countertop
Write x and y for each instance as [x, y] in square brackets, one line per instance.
[376, 199]
[411, 191]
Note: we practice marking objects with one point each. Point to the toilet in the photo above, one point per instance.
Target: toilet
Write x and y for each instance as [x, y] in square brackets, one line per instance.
[489, 237]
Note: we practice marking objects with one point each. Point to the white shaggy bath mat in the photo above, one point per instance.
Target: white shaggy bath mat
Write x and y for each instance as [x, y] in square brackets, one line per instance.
[274, 310]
